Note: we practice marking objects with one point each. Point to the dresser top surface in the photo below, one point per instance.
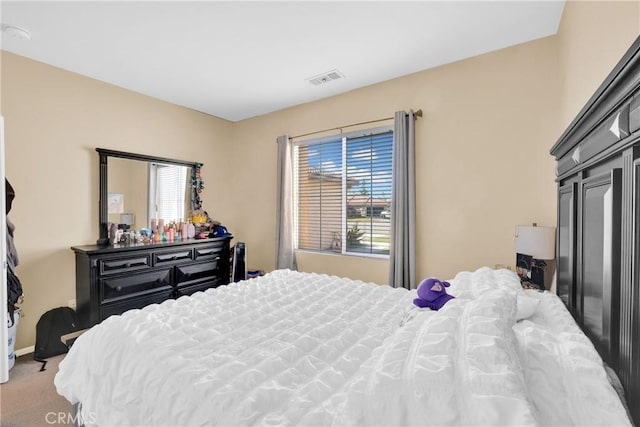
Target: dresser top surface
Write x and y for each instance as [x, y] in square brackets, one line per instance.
[98, 249]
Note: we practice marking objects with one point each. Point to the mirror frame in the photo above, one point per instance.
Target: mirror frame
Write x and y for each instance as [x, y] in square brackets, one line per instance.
[104, 196]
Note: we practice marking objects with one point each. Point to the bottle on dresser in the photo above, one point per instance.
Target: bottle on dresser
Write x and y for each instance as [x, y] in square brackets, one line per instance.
[192, 230]
[185, 230]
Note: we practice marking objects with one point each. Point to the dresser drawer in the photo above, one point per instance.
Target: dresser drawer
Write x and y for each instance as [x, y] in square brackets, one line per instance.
[200, 286]
[186, 274]
[120, 307]
[172, 257]
[118, 287]
[212, 252]
[123, 264]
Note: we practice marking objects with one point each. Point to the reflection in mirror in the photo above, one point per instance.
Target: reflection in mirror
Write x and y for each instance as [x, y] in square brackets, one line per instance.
[140, 190]
[136, 188]
[127, 185]
[168, 192]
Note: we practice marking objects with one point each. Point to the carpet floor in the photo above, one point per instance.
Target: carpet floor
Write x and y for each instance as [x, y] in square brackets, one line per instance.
[29, 398]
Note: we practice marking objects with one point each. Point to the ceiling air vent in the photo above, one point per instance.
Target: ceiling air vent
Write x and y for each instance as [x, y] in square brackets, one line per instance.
[325, 77]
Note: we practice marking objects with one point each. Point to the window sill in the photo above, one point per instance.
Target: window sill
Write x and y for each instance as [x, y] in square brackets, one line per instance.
[346, 254]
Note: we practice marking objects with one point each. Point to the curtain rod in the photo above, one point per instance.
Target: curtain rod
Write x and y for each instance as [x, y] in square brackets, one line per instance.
[416, 114]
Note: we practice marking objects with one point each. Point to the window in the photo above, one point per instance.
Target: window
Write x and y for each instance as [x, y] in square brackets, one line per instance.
[167, 191]
[343, 193]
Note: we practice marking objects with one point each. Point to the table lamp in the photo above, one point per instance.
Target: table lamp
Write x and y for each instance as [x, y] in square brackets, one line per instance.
[534, 244]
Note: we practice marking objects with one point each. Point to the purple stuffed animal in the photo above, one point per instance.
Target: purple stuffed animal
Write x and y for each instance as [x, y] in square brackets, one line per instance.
[432, 294]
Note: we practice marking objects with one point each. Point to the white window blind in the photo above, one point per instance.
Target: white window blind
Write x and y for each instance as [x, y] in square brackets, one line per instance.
[169, 191]
[343, 193]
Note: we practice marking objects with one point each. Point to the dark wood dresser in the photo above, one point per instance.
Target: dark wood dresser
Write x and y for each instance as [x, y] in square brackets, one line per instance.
[113, 279]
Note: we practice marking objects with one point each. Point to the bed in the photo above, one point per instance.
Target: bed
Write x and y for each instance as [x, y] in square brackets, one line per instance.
[293, 348]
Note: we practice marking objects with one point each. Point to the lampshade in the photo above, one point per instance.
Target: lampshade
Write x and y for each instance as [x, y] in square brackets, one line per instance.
[539, 242]
[127, 218]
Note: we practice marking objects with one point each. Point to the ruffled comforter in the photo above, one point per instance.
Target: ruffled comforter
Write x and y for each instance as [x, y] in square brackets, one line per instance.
[305, 349]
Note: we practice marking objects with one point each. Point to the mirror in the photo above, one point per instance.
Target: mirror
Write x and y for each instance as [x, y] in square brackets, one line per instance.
[136, 189]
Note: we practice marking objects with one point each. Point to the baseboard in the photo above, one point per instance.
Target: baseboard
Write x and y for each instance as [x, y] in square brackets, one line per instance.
[26, 350]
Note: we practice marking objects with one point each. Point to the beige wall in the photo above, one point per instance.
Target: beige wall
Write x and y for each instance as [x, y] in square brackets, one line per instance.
[593, 37]
[482, 147]
[482, 159]
[482, 152]
[54, 120]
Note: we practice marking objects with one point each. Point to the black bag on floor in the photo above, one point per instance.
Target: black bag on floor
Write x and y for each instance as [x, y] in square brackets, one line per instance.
[52, 325]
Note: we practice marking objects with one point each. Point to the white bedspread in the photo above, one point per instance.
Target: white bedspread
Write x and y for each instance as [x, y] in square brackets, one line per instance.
[305, 349]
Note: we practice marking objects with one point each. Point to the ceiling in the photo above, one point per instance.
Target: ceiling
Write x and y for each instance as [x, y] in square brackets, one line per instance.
[240, 59]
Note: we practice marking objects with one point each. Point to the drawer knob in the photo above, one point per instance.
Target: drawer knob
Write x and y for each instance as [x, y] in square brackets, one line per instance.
[127, 265]
[119, 288]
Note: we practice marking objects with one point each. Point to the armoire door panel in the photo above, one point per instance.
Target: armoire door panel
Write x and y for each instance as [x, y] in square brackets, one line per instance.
[599, 269]
[630, 346]
[565, 284]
